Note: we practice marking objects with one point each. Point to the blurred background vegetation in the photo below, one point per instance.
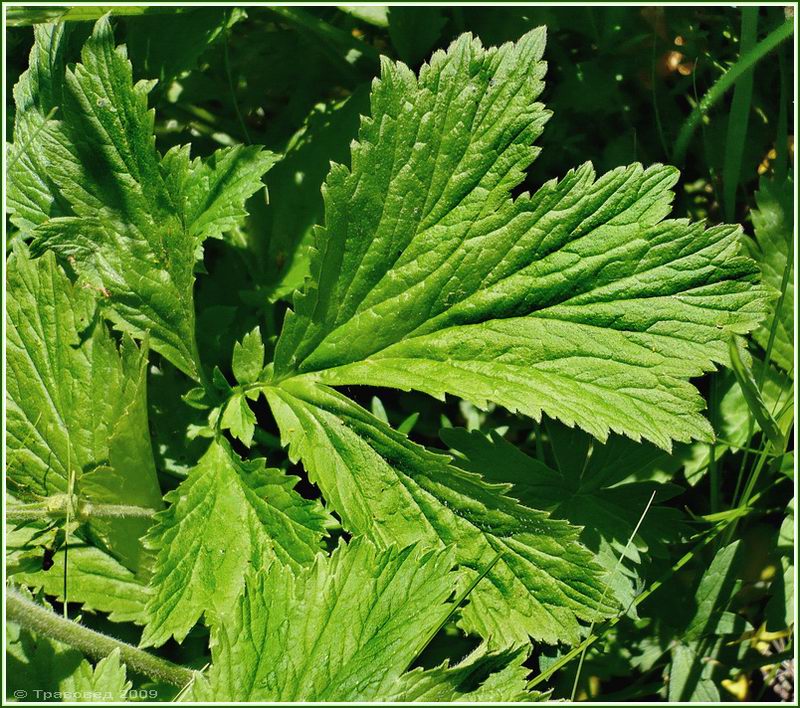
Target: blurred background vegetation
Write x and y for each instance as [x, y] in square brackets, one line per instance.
[622, 83]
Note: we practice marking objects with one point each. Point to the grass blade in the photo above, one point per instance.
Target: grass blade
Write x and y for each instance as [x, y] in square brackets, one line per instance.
[739, 117]
[725, 83]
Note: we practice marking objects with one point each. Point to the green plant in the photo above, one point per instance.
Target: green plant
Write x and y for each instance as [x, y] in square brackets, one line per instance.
[361, 564]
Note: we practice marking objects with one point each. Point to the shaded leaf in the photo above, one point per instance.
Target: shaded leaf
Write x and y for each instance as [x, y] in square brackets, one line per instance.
[76, 403]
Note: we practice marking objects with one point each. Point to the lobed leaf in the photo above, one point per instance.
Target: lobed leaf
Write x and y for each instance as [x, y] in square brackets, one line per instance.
[228, 516]
[347, 629]
[94, 579]
[395, 492]
[76, 404]
[96, 191]
[581, 301]
[603, 489]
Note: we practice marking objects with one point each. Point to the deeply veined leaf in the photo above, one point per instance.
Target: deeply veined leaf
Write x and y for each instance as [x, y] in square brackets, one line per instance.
[395, 492]
[346, 629]
[581, 301]
[228, 516]
[32, 197]
[76, 404]
[131, 222]
[773, 249]
[498, 677]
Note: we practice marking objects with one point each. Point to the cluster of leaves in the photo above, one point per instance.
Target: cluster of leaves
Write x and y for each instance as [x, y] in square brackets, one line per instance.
[402, 430]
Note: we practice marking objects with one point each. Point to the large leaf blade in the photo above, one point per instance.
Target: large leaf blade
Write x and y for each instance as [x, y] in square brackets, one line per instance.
[285, 641]
[395, 492]
[581, 302]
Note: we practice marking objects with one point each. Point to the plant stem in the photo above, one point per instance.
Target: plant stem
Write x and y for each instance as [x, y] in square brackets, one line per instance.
[85, 510]
[25, 16]
[36, 618]
[725, 83]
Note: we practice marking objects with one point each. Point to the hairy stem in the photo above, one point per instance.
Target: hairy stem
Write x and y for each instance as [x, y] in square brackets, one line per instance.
[36, 618]
[59, 508]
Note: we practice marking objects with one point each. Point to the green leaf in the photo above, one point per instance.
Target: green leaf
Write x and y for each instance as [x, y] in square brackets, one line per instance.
[229, 515]
[604, 489]
[690, 678]
[106, 682]
[506, 682]
[780, 607]
[375, 15]
[177, 412]
[238, 418]
[395, 492]
[581, 302]
[248, 357]
[285, 641]
[280, 235]
[717, 586]
[76, 404]
[692, 668]
[191, 32]
[94, 578]
[37, 663]
[774, 249]
[733, 421]
[131, 223]
[741, 363]
[32, 196]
